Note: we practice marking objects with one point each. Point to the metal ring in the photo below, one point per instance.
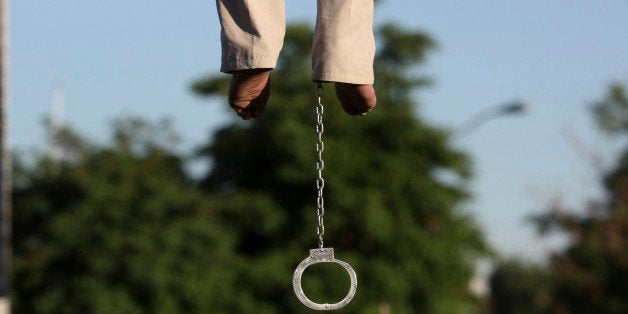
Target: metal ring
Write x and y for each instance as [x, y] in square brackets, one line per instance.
[322, 255]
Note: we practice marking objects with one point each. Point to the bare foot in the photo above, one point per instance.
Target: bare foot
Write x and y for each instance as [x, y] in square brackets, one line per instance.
[249, 92]
[356, 99]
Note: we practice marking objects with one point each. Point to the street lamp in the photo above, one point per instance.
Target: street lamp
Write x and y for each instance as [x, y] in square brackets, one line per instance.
[5, 165]
[510, 108]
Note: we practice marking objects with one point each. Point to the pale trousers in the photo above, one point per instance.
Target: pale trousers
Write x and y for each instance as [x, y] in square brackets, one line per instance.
[343, 49]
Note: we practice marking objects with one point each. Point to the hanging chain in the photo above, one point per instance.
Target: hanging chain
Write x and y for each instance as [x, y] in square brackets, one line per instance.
[321, 254]
[320, 165]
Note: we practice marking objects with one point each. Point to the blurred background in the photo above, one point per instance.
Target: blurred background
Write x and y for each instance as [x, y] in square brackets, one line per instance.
[490, 179]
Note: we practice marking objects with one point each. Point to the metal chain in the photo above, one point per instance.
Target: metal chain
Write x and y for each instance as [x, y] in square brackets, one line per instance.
[320, 165]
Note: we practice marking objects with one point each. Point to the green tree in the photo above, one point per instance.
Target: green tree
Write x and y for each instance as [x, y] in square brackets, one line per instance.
[611, 112]
[519, 288]
[388, 214]
[117, 229]
[591, 274]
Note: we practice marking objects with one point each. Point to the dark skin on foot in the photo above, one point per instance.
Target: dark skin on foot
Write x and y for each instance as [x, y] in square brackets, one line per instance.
[356, 99]
[250, 89]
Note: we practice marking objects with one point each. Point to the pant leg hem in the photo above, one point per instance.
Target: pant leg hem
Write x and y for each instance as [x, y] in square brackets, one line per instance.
[236, 64]
[362, 79]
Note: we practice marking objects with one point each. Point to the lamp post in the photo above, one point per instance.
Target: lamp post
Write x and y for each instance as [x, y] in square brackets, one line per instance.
[480, 280]
[5, 163]
[510, 108]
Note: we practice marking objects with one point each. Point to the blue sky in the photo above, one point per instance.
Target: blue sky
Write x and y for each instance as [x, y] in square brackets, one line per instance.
[139, 57]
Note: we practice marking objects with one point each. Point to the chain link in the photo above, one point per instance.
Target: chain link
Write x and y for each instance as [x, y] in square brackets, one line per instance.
[320, 165]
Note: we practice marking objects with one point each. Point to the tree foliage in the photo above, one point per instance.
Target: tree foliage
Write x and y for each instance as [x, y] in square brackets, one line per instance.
[116, 229]
[611, 113]
[519, 288]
